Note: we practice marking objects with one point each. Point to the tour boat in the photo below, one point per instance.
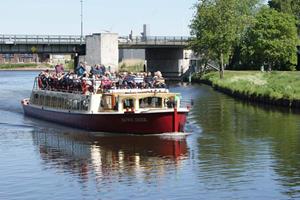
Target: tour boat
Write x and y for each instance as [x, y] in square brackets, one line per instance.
[138, 111]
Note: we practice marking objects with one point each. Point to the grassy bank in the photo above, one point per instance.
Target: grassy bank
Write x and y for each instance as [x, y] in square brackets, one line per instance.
[17, 66]
[279, 88]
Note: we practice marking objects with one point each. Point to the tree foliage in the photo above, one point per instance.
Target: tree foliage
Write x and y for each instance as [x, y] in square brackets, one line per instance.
[286, 6]
[218, 26]
[291, 7]
[271, 41]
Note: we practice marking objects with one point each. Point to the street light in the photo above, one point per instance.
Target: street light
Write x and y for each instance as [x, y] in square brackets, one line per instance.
[81, 16]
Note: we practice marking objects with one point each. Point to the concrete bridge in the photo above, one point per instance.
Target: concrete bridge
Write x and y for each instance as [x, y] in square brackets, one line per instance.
[60, 43]
[167, 54]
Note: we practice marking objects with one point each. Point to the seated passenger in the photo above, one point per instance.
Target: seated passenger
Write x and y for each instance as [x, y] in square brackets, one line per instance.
[102, 69]
[148, 80]
[159, 81]
[129, 81]
[59, 68]
[80, 69]
[96, 70]
[106, 83]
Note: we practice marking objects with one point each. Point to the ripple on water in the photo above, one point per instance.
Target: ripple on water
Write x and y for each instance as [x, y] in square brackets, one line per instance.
[235, 151]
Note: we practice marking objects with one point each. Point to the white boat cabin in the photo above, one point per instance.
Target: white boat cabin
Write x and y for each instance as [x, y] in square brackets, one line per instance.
[118, 100]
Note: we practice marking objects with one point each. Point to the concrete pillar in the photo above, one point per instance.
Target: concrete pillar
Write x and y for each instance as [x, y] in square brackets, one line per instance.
[102, 48]
[172, 62]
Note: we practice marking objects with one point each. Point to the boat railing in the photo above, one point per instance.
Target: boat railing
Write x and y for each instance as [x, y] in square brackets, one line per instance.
[37, 86]
[90, 86]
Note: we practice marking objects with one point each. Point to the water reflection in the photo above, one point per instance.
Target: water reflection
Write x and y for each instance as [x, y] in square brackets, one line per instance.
[245, 143]
[103, 156]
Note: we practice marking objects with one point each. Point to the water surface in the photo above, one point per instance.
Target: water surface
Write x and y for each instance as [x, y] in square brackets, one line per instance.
[235, 150]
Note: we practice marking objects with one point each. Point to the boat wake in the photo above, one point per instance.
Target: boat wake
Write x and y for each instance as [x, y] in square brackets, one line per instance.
[16, 125]
[172, 135]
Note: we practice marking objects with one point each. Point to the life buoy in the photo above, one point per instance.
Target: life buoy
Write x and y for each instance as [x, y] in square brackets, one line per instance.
[113, 101]
[40, 84]
[84, 87]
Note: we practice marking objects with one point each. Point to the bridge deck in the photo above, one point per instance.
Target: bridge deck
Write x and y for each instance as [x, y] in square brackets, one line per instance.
[75, 43]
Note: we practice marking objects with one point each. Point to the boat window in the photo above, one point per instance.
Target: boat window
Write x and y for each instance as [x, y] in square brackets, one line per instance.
[108, 102]
[84, 104]
[68, 104]
[60, 102]
[35, 98]
[47, 100]
[150, 102]
[128, 103]
[41, 100]
[170, 102]
[54, 102]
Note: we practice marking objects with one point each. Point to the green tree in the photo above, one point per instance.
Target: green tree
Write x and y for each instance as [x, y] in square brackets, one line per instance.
[287, 6]
[217, 28]
[272, 40]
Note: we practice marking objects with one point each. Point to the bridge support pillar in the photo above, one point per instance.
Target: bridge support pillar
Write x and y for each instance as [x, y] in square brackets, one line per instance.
[172, 62]
[102, 48]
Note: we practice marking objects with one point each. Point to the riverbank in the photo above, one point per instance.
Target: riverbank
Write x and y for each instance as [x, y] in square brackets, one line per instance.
[27, 69]
[23, 67]
[276, 88]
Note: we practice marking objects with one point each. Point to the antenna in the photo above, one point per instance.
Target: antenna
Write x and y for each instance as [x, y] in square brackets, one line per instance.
[81, 26]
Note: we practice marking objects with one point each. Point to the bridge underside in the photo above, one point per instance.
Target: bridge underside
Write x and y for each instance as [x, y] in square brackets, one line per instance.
[170, 61]
[42, 48]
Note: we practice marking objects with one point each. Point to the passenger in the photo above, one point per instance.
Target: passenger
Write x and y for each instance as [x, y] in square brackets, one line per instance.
[138, 80]
[159, 81]
[96, 70]
[106, 82]
[87, 67]
[102, 69]
[148, 80]
[129, 81]
[59, 68]
[80, 69]
[171, 102]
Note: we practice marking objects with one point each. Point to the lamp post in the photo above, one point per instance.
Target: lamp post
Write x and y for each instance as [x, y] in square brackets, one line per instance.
[81, 26]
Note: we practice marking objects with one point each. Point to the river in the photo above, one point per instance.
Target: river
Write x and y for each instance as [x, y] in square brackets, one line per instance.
[233, 150]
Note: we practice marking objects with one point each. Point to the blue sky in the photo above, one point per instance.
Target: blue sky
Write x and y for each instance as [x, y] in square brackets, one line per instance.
[165, 17]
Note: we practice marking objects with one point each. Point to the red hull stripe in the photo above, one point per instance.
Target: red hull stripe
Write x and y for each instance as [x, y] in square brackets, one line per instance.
[140, 123]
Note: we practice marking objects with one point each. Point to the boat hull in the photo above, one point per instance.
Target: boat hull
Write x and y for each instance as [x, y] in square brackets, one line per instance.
[137, 123]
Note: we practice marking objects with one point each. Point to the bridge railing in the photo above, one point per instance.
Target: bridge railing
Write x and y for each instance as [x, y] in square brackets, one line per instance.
[75, 39]
[41, 39]
[155, 40]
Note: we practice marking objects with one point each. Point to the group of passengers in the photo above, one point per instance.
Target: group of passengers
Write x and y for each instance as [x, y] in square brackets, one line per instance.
[87, 78]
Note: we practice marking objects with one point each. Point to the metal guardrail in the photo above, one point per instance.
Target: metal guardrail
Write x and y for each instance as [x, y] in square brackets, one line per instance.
[154, 40]
[41, 39]
[75, 39]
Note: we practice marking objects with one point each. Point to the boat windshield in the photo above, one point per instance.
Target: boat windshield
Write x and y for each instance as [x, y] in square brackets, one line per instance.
[150, 102]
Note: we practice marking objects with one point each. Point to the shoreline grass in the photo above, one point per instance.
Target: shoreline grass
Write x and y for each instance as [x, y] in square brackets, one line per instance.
[18, 66]
[277, 87]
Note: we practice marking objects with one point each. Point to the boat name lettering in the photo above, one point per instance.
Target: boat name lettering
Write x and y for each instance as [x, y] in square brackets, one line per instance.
[127, 119]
